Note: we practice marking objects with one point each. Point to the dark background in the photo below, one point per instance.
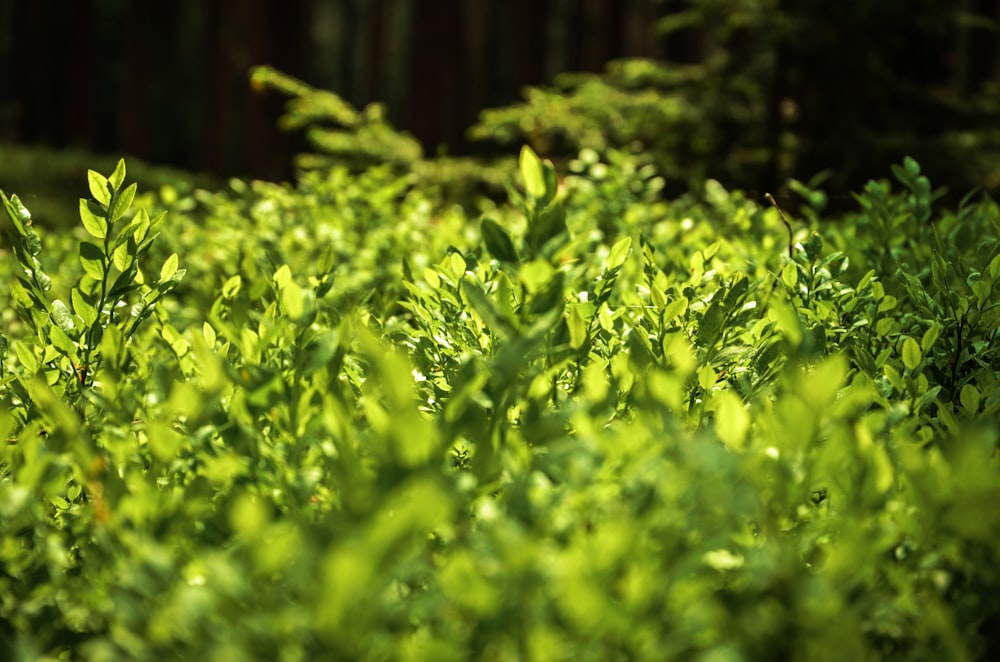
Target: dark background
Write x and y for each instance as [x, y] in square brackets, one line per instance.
[866, 80]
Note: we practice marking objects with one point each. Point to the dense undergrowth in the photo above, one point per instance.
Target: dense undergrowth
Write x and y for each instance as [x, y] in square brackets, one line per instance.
[343, 420]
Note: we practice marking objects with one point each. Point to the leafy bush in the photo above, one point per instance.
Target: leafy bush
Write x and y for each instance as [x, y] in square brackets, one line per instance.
[684, 117]
[344, 137]
[753, 92]
[49, 180]
[590, 424]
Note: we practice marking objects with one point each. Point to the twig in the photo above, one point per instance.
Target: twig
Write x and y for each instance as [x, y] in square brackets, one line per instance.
[784, 219]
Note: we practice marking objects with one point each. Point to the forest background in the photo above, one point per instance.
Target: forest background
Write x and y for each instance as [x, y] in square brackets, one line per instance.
[749, 92]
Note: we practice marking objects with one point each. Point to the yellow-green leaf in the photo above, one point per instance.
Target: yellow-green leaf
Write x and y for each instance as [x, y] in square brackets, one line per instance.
[531, 171]
[232, 287]
[169, 268]
[283, 276]
[911, 354]
[790, 275]
[930, 336]
[98, 184]
[675, 308]
[118, 176]
[706, 377]
[619, 252]
[970, 397]
[577, 327]
[26, 357]
[95, 225]
[61, 341]
[732, 421]
[83, 308]
[291, 300]
[122, 202]
[208, 331]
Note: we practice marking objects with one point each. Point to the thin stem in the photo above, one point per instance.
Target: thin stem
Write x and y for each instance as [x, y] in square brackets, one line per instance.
[784, 219]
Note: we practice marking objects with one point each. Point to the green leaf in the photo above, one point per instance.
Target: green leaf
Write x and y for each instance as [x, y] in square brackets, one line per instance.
[577, 327]
[124, 255]
[99, 187]
[894, 378]
[548, 226]
[498, 242]
[118, 176]
[208, 331]
[62, 342]
[169, 268]
[675, 308]
[710, 326]
[26, 357]
[23, 294]
[550, 298]
[707, 377]
[911, 354]
[32, 242]
[481, 303]
[292, 301]
[124, 283]
[531, 172]
[142, 225]
[122, 202]
[737, 292]
[619, 253]
[232, 287]
[970, 398]
[83, 308]
[18, 213]
[62, 317]
[95, 224]
[994, 267]
[732, 420]
[112, 345]
[820, 388]
[813, 247]
[92, 261]
[790, 275]
[326, 260]
[282, 276]
[789, 322]
[551, 181]
[930, 337]
[535, 275]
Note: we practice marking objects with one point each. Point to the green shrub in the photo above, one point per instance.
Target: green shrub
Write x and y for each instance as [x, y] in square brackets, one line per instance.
[684, 117]
[589, 424]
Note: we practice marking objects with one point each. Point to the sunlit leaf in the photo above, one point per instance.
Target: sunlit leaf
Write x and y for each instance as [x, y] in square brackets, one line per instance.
[531, 172]
[98, 184]
[93, 223]
[169, 268]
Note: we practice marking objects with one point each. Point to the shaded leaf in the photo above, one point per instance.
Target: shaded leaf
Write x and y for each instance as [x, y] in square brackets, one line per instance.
[94, 223]
[92, 260]
[498, 242]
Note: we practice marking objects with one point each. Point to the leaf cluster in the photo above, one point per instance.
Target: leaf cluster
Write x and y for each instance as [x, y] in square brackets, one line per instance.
[588, 423]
